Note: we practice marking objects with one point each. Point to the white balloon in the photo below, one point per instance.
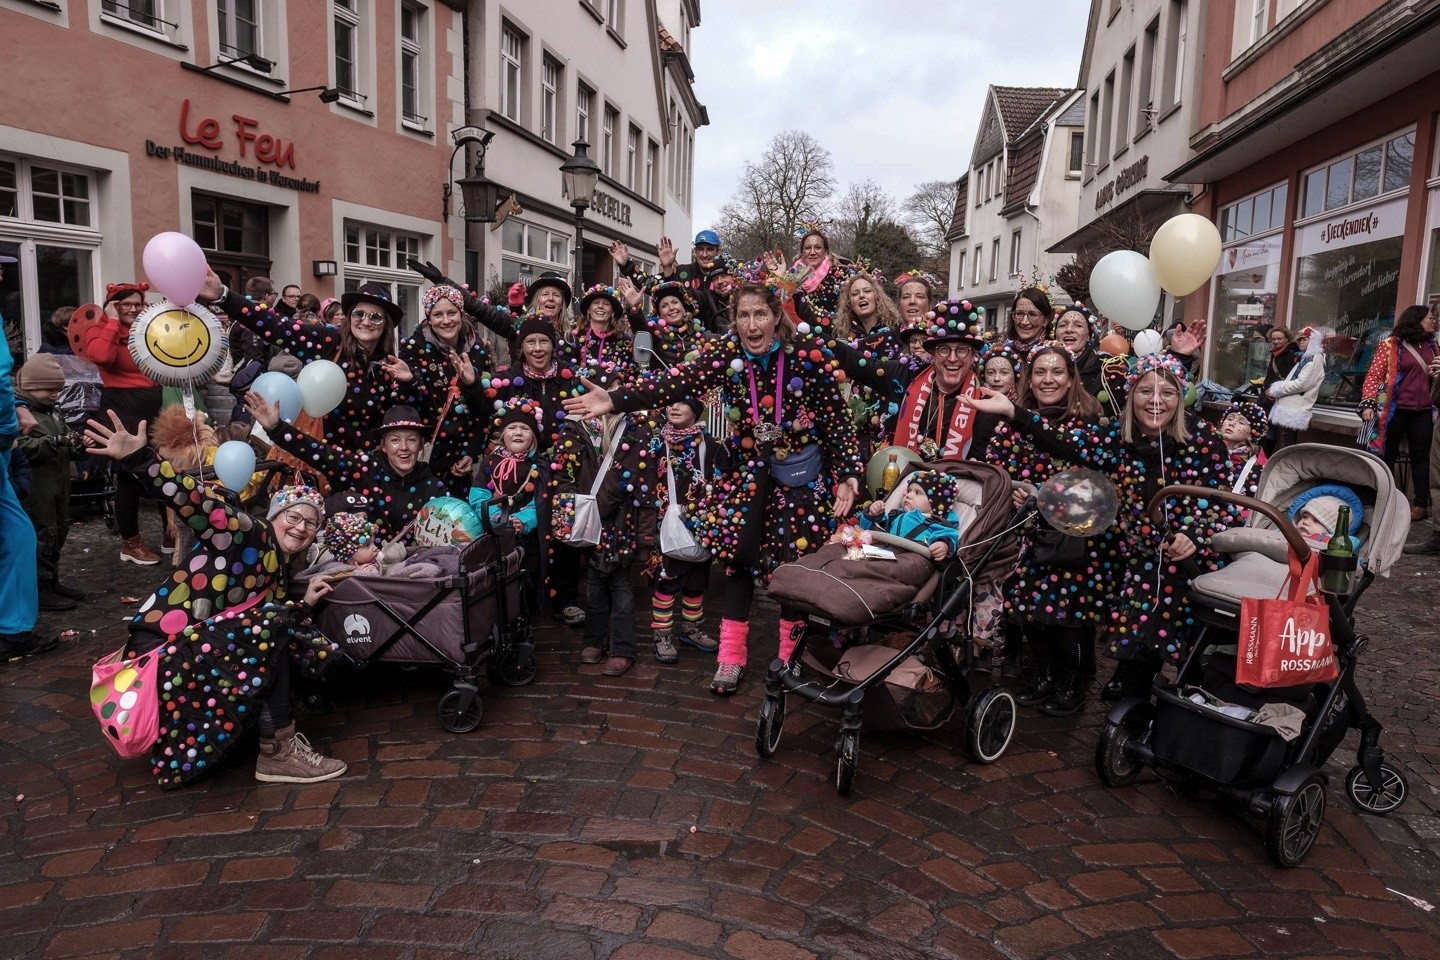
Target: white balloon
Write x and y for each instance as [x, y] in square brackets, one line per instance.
[1124, 289]
[322, 387]
[1184, 252]
[1148, 342]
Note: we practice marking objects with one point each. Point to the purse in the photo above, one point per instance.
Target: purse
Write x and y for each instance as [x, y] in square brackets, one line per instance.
[125, 698]
[1051, 548]
[1285, 641]
[676, 540]
[798, 469]
[586, 527]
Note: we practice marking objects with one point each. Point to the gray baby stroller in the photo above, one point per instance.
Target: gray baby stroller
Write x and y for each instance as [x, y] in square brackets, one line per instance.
[470, 623]
[919, 683]
[1205, 730]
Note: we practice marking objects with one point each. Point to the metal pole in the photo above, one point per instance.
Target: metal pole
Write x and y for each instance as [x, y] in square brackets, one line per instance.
[579, 285]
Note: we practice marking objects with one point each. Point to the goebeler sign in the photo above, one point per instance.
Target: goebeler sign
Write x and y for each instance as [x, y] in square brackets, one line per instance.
[271, 152]
[604, 205]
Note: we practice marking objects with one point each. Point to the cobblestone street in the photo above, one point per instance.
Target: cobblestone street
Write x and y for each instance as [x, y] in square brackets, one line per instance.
[630, 819]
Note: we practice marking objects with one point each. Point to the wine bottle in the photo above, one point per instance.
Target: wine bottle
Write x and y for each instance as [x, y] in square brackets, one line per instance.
[1339, 556]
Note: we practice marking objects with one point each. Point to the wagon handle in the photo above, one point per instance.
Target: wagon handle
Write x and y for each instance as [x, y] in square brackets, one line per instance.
[1297, 543]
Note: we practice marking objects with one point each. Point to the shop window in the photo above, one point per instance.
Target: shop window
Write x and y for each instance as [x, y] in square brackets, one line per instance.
[1246, 285]
[1376, 170]
[528, 250]
[414, 68]
[375, 254]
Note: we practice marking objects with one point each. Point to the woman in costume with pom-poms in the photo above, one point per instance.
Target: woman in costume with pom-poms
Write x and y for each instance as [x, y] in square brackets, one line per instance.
[820, 287]
[1058, 592]
[1078, 330]
[915, 293]
[231, 628]
[671, 321]
[448, 363]
[1030, 315]
[794, 466]
[1149, 446]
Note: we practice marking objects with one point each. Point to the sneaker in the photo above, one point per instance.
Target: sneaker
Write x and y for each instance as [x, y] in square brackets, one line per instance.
[665, 650]
[727, 679]
[617, 666]
[1426, 548]
[52, 602]
[692, 636]
[573, 616]
[289, 758]
[592, 655]
[133, 550]
[70, 593]
[28, 644]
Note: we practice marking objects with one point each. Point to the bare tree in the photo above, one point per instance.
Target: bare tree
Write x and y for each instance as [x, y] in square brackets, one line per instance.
[930, 209]
[861, 207]
[788, 184]
[1129, 229]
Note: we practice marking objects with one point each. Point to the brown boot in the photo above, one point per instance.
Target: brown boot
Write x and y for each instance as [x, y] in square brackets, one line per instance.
[289, 758]
[133, 550]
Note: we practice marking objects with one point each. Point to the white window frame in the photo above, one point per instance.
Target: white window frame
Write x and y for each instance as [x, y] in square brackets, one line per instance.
[413, 52]
[1229, 210]
[1381, 194]
[1175, 42]
[535, 265]
[348, 12]
[1077, 168]
[995, 260]
[632, 158]
[615, 15]
[123, 13]
[652, 156]
[1259, 19]
[512, 67]
[1015, 240]
[979, 264]
[584, 107]
[607, 141]
[960, 271]
[228, 19]
[397, 244]
[550, 73]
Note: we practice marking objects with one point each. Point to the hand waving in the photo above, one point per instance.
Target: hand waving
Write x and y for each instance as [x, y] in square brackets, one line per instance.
[113, 440]
[594, 402]
[620, 253]
[666, 251]
[629, 292]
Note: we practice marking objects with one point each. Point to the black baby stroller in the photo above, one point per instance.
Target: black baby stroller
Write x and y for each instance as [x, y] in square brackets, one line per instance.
[469, 623]
[840, 596]
[93, 489]
[1204, 730]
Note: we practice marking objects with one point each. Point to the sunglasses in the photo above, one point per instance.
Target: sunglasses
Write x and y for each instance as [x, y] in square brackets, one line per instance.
[360, 316]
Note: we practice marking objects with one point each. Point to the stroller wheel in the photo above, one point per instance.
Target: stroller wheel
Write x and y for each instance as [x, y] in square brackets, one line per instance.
[1392, 791]
[845, 763]
[1115, 766]
[516, 667]
[460, 710]
[989, 725]
[769, 726]
[1294, 822]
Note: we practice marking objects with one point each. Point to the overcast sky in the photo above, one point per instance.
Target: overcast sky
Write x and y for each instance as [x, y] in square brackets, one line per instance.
[893, 89]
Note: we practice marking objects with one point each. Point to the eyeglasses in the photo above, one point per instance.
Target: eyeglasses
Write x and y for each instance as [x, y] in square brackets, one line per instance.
[1030, 314]
[1168, 396]
[296, 519]
[952, 350]
[374, 319]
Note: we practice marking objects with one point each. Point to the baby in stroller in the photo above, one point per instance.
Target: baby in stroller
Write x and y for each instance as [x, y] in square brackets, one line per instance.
[1266, 747]
[916, 519]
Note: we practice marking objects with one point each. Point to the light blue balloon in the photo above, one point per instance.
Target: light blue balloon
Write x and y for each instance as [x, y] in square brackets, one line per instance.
[234, 464]
[277, 388]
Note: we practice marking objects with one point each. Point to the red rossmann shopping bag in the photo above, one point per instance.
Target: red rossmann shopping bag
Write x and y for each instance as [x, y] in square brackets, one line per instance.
[1285, 641]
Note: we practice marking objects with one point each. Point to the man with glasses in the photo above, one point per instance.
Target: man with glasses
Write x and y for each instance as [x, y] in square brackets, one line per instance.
[289, 300]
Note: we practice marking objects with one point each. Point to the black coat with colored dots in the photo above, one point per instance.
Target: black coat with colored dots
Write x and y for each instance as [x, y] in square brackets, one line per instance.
[461, 429]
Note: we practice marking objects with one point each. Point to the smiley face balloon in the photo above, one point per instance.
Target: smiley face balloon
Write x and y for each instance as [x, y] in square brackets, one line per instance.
[175, 345]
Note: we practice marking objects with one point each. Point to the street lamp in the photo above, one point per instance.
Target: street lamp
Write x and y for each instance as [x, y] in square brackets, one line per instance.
[579, 174]
[478, 195]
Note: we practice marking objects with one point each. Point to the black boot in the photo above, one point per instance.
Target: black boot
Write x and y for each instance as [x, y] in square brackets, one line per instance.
[1040, 688]
[69, 593]
[52, 602]
[1426, 548]
[1114, 689]
[1068, 698]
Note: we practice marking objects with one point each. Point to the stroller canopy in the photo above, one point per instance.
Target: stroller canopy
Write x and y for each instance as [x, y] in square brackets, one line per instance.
[1295, 469]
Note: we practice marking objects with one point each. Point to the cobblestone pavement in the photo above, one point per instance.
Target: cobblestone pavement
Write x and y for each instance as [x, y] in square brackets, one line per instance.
[630, 819]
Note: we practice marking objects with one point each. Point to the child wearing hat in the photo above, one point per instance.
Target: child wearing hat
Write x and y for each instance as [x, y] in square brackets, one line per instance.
[685, 450]
[351, 540]
[512, 471]
[623, 497]
[50, 447]
[1242, 428]
[1316, 512]
[925, 514]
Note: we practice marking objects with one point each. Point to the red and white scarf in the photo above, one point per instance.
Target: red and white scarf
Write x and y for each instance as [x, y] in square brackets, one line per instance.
[954, 444]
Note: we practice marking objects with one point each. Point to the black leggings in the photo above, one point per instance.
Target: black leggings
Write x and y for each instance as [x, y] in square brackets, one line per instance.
[739, 596]
[131, 405]
[1062, 644]
[275, 711]
[1416, 427]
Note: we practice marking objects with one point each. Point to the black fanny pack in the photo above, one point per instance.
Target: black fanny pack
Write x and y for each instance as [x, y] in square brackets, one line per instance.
[799, 468]
[1052, 548]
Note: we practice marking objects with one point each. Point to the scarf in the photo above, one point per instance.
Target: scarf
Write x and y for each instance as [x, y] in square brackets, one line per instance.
[508, 473]
[816, 276]
[677, 436]
[910, 431]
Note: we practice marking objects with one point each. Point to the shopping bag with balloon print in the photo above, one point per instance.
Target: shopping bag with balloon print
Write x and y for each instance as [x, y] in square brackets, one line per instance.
[124, 697]
[1285, 641]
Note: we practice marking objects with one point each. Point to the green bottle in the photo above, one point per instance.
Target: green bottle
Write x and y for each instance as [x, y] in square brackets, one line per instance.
[1339, 557]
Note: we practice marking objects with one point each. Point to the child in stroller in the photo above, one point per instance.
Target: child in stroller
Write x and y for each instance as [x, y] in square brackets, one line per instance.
[916, 519]
[1241, 742]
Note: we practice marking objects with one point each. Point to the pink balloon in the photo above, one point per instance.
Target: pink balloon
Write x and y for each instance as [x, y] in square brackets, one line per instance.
[175, 265]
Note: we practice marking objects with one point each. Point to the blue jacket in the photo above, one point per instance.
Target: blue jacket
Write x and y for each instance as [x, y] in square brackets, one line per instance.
[914, 525]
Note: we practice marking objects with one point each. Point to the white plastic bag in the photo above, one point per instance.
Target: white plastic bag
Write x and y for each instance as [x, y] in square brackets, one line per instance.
[676, 540]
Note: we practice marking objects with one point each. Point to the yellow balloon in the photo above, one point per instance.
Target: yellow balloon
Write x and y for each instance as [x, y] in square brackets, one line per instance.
[1185, 252]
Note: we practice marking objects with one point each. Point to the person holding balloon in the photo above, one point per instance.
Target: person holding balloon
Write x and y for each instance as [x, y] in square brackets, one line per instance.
[1149, 446]
[394, 482]
[793, 450]
[370, 378]
[230, 627]
[448, 362]
[1061, 583]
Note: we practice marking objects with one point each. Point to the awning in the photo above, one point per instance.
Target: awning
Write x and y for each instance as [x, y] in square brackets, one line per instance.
[1336, 82]
[1146, 204]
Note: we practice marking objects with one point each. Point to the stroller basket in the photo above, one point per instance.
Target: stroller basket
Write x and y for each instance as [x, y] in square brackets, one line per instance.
[1207, 743]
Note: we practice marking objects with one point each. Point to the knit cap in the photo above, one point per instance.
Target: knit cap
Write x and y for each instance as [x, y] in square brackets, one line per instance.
[40, 372]
[442, 291]
[346, 533]
[1326, 510]
[294, 496]
[536, 325]
[940, 488]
